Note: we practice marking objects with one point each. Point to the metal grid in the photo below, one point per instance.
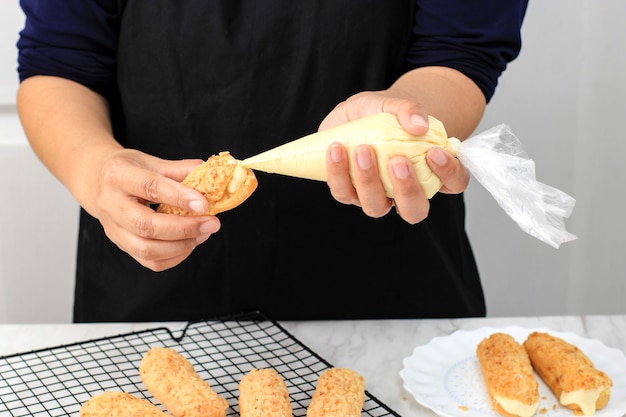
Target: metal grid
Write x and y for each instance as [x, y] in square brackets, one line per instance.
[57, 381]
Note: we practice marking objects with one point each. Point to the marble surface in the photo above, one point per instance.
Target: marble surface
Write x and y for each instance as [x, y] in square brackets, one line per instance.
[375, 349]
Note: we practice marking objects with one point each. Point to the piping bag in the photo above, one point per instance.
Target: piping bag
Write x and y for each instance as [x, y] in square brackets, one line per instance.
[494, 157]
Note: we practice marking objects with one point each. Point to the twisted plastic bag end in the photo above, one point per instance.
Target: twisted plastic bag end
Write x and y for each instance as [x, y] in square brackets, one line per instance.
[498, 161]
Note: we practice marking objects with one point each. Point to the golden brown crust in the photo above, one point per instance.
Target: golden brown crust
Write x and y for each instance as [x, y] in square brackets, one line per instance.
[175, 384]
[507, 371]
[340, 392]
[263, 393]
[119, 404]
[212, 179]
[565, 368]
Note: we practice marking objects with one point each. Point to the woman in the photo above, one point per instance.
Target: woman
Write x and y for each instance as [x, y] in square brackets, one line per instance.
[120, 100]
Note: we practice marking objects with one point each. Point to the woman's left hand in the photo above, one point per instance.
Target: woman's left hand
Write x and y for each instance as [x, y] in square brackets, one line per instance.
[365, 189]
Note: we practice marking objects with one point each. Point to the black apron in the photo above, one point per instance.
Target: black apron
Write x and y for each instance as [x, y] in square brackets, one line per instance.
[197, 77]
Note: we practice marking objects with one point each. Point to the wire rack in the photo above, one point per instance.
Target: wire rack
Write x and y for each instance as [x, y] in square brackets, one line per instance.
[57, 381]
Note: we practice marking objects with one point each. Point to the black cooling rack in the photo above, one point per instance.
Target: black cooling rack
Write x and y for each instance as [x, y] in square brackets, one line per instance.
[57, 381]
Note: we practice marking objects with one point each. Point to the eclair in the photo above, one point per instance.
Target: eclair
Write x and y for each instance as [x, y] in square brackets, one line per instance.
[173, 381]
[339, 392]
[222, 180]
[569, 373]
[508, 374]
[263, 393]
[119, 404]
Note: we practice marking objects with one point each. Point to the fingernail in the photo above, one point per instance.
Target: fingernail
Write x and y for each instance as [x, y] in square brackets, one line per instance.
[363, 158]
[418, 120]
[202, 238]
[335, 153]
[196, 206]
[208, 228]
[400, 168]
[438, 157]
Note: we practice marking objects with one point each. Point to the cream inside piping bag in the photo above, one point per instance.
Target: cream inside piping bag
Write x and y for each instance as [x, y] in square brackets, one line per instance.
[495, 158]
[306, 157]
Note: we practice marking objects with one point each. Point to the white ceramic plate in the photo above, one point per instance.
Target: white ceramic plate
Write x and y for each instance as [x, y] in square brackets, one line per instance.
[445, 376]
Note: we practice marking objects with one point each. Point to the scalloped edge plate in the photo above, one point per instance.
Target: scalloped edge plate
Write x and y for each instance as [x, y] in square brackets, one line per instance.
[444, 375]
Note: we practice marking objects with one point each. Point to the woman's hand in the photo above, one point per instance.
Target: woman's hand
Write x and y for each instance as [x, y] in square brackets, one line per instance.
[115, 185]
[365, 189]
[127, 183]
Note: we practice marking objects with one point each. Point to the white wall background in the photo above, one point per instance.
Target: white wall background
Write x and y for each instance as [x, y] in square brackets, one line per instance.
[564, 98]
[38, 217]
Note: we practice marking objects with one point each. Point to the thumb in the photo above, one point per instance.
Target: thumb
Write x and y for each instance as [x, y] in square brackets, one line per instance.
[178, 170]
[173, 169]
[453, 175]
[171, 191]
[413, 119]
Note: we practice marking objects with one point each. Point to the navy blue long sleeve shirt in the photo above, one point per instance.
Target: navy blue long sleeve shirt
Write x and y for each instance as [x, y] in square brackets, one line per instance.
[77, 39]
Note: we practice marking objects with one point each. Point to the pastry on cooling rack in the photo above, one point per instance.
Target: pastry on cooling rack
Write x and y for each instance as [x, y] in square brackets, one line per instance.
[223, 181]
[263, 393]
[569, 373]
[508, 374]
[174, 383]
[339, 392]
[119, 404]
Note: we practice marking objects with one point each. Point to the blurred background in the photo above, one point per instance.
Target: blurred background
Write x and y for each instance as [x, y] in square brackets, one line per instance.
[563, 97]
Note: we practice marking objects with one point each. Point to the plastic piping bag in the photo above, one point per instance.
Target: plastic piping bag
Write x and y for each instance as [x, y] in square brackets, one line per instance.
[495, 158]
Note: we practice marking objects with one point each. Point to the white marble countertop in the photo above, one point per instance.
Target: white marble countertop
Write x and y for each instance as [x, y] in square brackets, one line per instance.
[375, 349]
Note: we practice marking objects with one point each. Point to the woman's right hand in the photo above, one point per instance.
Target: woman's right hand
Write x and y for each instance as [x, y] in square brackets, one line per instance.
[127, 183]
[69, 128]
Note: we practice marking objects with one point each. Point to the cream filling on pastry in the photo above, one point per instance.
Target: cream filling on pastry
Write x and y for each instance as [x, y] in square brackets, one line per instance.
[585, 399]
[516, 407]
[239, 177]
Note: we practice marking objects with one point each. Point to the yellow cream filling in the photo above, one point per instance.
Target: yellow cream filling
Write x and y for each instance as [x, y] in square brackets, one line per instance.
[306, 157]
[239, 176]
[585, 399]
[517, 407]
